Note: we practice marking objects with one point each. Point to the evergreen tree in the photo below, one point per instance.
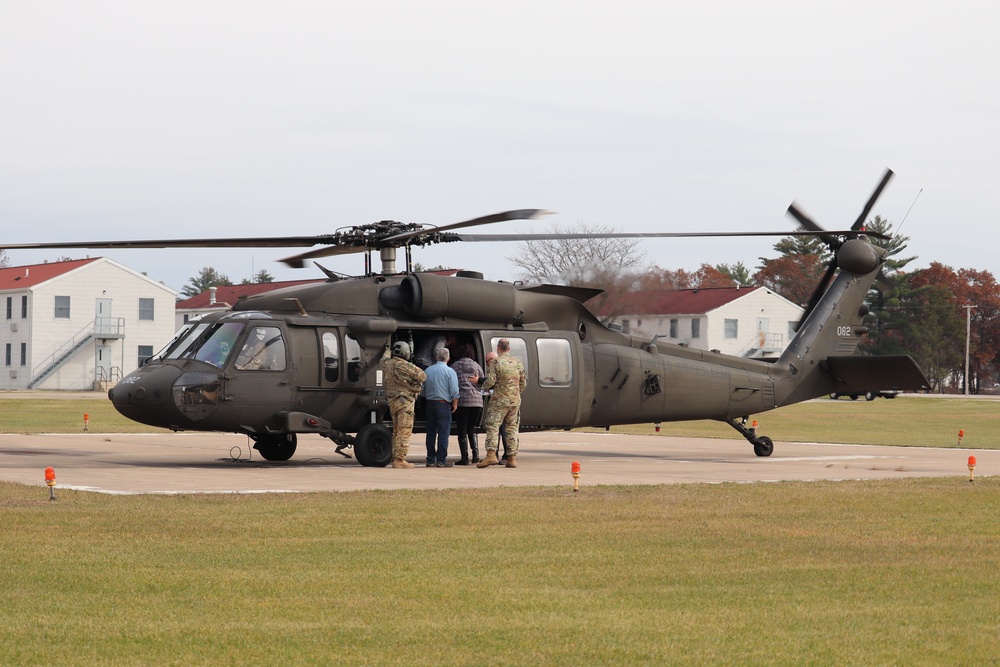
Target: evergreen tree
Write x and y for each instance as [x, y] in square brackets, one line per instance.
[207, 277]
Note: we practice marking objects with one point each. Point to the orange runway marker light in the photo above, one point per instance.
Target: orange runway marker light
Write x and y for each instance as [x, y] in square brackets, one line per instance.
[657, 426]
[961, 434]
[575, 470]
[86, 421]
[972, 467]
[50, 480]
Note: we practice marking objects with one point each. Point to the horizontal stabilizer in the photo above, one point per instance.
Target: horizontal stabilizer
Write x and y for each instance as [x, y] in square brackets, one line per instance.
[856, 374]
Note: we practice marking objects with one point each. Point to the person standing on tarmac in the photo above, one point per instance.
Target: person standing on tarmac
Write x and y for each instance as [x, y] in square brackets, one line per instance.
[507, 379]
[441, 392]
[403, 382]
[470, 403]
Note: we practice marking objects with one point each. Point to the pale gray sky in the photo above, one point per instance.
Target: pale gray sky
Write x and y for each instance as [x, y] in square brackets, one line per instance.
[129, 119]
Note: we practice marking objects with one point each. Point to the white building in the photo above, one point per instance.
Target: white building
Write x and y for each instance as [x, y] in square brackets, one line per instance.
[80, 324]
[739, 321]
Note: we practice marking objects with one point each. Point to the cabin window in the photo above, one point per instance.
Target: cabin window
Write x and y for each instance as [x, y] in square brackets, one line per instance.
[673, 328]
[555, 362]
[263, 350]
[353, 351]
[518, 349]
[145, 353]
[62, 307]
[146, 309]
[331, 357]
[792, 328]
[696, 328]
[731, 328]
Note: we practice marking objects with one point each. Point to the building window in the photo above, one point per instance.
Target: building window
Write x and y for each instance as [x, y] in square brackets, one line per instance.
[10, 307]
[8, 354]
[24, 306]
[673, 328]
[732, 328]
[146, 310]
[24, 354]
[696, 328]
[555, 362]
[62, 307]
[145, 352]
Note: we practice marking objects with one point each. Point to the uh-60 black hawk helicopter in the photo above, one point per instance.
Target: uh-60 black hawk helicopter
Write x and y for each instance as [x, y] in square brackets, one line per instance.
[325, 342]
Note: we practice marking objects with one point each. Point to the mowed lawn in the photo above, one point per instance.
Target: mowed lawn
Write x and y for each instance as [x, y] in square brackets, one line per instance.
[880, 572]
[886, 572]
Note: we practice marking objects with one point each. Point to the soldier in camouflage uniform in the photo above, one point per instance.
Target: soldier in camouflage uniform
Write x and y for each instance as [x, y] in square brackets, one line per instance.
[403, 381]
[507, 379]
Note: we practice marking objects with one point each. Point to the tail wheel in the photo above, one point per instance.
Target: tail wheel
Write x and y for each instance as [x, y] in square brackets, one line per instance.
[763, 446]
[373, 446]
[276, 447]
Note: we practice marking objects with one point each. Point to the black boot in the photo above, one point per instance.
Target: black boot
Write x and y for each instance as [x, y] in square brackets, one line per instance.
[463, 448]
[473, 440]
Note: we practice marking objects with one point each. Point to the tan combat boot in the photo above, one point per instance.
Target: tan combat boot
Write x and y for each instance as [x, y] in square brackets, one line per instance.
[490, 460]
[401, 463]
[510, 461]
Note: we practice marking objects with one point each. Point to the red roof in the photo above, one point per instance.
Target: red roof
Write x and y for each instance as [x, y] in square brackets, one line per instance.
[674, 302]
[23, 277]
[232, 293]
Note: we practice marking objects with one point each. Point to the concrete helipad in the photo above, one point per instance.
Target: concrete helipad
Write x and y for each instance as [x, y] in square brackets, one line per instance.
[223, 463]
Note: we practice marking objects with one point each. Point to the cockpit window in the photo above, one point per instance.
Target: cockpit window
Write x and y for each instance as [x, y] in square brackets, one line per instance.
[217, 347]
[211, 343]
[263, 350]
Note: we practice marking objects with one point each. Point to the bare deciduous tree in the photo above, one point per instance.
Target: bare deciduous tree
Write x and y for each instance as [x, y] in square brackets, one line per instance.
[586, 261]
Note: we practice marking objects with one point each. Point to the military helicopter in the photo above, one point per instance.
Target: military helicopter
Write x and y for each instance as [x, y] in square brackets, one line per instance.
[324, 343]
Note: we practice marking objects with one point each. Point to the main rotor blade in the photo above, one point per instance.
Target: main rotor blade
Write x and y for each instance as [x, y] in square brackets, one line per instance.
[554, 236]
[520, 214]
[871, 200]
[240, 242]
[299, 261]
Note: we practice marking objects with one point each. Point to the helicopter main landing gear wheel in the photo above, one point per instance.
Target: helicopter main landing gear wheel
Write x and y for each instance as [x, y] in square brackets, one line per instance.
[762, 445]
[373, 446]
[276, 447]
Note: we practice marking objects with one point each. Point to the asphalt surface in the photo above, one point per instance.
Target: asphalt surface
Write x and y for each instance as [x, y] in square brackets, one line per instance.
[224, 463]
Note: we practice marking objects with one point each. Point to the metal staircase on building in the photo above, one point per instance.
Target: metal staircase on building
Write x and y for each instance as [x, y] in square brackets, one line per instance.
[102, 328]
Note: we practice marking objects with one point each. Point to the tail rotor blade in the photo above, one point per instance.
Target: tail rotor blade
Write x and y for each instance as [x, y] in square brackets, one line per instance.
[871, 200]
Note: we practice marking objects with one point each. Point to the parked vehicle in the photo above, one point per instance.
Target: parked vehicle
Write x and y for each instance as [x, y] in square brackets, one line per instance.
[869, 395]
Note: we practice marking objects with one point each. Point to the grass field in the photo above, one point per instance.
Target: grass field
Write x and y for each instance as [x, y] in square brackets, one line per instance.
[900, 572]
[881, 572]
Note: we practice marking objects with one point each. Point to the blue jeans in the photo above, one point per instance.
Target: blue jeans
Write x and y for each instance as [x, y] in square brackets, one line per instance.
[438, 429]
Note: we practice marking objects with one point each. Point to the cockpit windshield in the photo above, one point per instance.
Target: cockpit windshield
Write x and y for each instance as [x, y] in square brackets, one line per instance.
[211, 343]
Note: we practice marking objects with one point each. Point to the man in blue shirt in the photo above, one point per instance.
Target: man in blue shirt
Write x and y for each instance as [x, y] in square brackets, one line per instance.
[441, 392]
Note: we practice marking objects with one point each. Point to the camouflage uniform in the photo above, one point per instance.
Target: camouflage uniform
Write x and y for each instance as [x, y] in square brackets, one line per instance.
[507, 379]
[403, 381]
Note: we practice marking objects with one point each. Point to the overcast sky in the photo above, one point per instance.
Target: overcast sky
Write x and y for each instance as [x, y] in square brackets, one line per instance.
[123, 119]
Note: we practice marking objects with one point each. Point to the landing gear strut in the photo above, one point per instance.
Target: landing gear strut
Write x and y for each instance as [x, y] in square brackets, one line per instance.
[762, 445]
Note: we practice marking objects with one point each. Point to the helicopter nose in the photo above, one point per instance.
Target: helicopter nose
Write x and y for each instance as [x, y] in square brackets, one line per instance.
[143, 394]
